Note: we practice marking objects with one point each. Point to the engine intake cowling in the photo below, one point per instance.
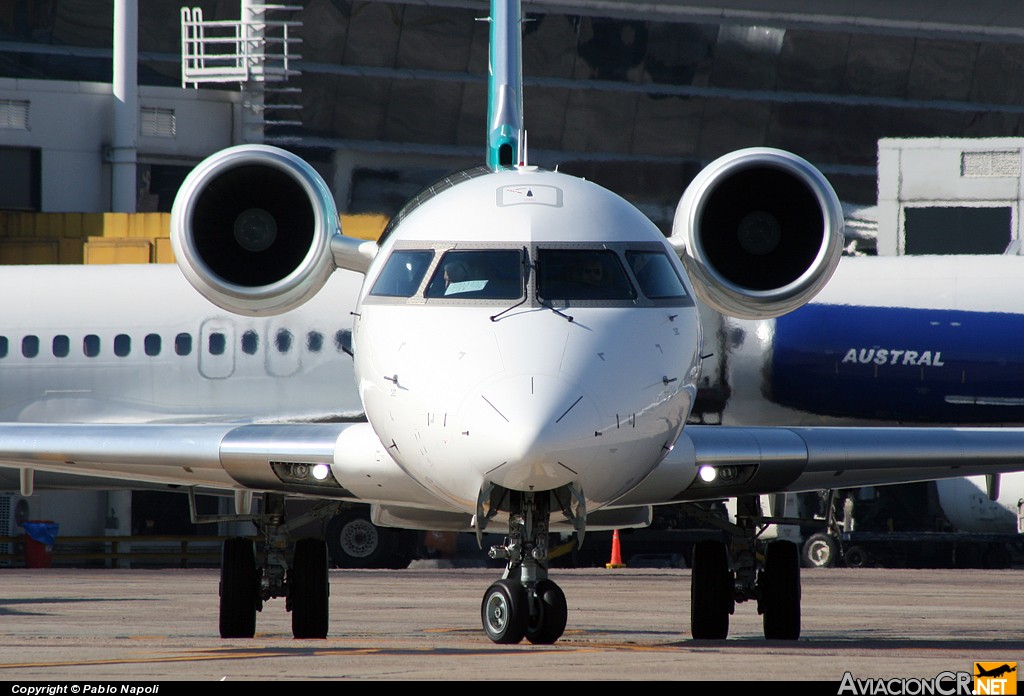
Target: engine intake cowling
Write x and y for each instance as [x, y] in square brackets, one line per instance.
[251, 229]
[760, 232]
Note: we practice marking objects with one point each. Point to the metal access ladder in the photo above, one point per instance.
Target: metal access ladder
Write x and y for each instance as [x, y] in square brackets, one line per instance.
[256, 52]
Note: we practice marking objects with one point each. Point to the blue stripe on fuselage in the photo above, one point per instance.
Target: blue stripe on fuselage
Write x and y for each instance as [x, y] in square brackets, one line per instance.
[899, 364]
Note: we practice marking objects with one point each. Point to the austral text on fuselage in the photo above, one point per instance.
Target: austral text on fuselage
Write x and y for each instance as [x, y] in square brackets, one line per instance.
[894, 356]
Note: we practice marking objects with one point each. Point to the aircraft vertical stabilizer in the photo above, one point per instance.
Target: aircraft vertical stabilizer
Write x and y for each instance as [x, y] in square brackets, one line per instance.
[505, 85]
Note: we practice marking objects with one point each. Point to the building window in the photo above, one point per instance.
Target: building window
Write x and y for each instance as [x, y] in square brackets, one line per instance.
[20, 178]
[158, 122]
[14, 114]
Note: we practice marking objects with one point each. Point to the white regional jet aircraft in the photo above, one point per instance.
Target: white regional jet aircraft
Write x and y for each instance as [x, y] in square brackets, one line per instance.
[526, 351]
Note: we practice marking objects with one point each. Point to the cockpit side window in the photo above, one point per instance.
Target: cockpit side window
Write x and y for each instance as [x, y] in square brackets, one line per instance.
[582, 274]
[403, 273]
[479, 274]
[655, 274]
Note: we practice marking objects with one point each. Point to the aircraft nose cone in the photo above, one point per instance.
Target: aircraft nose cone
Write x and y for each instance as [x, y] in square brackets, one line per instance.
[536, 427]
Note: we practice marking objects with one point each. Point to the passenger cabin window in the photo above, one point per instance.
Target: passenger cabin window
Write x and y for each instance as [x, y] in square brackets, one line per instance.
[343, 341]
[656, 275]
[283, 341]
[91, 345]
[122, 345]
[4, 346]
[403, 273]
[314, 341]
[216, 343]
[30, 346]
[183, 344]
[61, 346]
[478, 275]
[250, 342]
[581, 274]
[151, 344]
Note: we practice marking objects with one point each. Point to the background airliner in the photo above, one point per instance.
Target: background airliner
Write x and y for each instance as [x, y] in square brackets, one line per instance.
[918, 340]
[527, 350]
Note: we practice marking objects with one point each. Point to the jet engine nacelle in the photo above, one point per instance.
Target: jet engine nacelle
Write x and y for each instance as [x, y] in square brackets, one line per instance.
[251, 229]
[760, 232]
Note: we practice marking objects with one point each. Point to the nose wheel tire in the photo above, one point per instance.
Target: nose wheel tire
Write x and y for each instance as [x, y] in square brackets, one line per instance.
[505, 612]
[552, 613]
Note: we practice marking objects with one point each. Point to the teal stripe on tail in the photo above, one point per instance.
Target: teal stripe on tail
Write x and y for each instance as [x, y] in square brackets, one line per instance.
[505, 86]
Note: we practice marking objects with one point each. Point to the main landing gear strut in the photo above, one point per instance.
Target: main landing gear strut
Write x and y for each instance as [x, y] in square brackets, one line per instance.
[300, 576]
[745, 569]
[525, 603]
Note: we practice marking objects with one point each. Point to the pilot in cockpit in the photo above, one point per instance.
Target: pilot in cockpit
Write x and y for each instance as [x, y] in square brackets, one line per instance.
[593, 273]
[455, 272]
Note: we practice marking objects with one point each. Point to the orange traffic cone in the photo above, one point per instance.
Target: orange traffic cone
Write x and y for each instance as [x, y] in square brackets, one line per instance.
[616, 561]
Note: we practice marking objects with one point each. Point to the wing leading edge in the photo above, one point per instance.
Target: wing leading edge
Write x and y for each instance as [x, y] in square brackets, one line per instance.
[262, 457]
[752, 461]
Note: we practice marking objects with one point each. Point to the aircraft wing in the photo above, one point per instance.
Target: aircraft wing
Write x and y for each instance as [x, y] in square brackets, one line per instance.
[764, 460]
[281, 457]
[278, 457]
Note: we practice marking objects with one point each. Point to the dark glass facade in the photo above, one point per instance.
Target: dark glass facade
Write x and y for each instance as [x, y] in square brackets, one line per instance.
[635, 104]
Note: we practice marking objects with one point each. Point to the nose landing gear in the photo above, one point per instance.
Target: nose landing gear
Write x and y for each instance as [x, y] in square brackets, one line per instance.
[525, 603]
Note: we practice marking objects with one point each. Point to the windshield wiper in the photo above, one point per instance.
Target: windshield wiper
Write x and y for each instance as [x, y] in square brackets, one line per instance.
[547, 305]
[526, 283]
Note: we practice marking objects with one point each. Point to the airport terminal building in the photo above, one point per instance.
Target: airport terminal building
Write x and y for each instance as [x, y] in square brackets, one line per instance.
[389, 94]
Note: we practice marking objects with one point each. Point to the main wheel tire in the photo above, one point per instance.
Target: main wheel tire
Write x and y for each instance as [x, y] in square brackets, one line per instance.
[239, 588]
[355, 542]
[505, 612]
[780, 591]
[820, 551]
[552, 614]
[711, 583]
[309, 590]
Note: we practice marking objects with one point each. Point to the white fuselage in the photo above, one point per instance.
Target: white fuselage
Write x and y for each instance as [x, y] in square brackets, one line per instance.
[527, 392]
[137, 344]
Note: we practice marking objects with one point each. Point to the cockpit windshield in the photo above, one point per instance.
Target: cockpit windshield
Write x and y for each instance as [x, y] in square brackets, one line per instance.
[655, 275]
[611, 274]
[403, 273]
[581, 274]
[481, 274]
